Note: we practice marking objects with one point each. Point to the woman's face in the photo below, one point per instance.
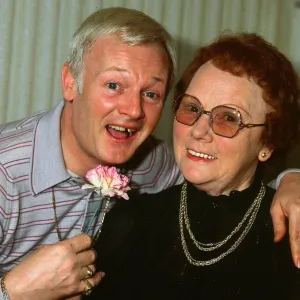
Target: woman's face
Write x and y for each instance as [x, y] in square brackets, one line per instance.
[214, 163]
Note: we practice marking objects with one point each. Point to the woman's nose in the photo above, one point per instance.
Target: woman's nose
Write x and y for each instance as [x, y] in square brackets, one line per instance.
[201, 129]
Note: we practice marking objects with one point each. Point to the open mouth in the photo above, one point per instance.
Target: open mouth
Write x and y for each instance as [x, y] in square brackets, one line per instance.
[119, 132]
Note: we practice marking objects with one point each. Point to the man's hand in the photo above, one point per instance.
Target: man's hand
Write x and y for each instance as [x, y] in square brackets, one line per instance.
[286, 203]
[54, 271]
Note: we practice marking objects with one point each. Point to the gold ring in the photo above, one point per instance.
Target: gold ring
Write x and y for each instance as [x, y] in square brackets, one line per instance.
[90, 272]
[88, 287]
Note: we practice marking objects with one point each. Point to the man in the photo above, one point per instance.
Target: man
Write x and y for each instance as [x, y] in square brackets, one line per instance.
[121, 68]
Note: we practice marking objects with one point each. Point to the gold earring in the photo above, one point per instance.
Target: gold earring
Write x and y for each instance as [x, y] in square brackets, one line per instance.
[264, 155]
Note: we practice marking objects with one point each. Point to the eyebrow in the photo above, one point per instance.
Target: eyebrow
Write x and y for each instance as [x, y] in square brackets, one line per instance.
[239, 108]
[234, 106]
[117, 69]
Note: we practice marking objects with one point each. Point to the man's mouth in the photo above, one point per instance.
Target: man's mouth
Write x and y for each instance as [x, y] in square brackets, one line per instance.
[119, 132]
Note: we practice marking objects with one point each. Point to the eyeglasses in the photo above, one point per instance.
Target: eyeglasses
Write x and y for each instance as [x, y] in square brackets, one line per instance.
[224, 121]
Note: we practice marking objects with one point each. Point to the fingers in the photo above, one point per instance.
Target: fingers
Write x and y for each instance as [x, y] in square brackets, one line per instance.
[294, 232]
[79, 242]
[90, 272]
[86, 258]
[278, 219]
[90, 283]
[87, 271]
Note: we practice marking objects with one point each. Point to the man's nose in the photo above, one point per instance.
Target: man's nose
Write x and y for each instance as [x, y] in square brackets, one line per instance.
[132, 106]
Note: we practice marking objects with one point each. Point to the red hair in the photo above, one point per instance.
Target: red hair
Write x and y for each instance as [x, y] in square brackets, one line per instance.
[249, 55]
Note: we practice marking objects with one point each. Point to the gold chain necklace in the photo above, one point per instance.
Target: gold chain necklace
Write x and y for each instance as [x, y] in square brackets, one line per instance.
[56, 219]
[184, 222]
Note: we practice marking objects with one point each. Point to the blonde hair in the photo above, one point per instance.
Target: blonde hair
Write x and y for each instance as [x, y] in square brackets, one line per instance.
[130, 26]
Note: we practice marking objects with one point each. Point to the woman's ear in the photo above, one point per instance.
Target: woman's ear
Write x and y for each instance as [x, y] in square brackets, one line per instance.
[265, 153]
[68, 83]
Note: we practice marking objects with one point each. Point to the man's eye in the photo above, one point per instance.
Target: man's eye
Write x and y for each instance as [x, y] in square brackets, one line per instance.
[151, 95]
[113, 86]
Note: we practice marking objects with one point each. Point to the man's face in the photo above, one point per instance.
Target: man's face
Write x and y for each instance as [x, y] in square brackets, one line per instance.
[124, 88]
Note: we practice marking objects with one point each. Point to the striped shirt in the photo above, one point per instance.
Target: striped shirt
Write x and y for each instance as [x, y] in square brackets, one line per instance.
[32, 165]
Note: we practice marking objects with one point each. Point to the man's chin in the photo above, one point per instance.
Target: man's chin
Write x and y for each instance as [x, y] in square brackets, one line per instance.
[119, 153]
[117, 159]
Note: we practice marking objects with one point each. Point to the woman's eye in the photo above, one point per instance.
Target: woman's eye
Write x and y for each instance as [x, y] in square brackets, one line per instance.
[191, 108]
[229, 118]
[194, 109]
[113, 86]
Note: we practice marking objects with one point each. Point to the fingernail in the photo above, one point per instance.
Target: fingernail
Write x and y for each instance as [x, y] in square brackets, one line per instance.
[298, 264]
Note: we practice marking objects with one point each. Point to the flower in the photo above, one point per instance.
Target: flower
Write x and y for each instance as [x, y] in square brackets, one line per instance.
[106, 181]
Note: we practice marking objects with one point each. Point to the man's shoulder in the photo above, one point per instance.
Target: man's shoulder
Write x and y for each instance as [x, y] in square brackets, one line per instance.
[153, 167]
[16, 140]
[18, 131]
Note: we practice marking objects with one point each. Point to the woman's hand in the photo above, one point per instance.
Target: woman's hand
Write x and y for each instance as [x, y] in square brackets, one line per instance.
[54, 271]
[286, 203]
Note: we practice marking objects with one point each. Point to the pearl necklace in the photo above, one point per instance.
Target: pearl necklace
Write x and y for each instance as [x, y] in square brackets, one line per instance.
[184, 224]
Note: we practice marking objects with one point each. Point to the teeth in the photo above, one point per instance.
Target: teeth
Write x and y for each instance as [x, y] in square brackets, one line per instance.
[119, 128]
[198, 154]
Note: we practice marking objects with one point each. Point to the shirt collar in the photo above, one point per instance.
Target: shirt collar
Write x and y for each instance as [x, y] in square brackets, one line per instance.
[47, 163]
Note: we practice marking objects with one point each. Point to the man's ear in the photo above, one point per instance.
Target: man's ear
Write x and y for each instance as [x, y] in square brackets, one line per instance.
[68, 83]
[265, 153]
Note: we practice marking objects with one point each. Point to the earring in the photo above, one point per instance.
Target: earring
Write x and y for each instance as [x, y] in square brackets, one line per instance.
[264, 155]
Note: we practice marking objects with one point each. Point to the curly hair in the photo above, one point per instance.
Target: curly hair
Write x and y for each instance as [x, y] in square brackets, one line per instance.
[249, 55]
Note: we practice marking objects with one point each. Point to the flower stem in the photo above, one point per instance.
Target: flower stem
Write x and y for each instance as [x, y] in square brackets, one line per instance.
[96, 214]
[101, 223]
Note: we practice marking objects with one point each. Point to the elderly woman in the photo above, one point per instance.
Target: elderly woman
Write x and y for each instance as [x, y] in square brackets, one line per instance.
[237, 105]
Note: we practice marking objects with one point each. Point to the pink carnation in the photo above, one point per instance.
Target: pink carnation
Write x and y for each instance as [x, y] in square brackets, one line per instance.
[108, 182]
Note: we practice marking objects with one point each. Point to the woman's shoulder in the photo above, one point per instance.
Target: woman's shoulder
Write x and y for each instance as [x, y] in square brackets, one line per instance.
[140, 208]
[160, 195]
[157, 201]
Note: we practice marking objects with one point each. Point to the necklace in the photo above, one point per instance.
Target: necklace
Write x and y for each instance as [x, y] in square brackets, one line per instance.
[184, 224]
[56, 219]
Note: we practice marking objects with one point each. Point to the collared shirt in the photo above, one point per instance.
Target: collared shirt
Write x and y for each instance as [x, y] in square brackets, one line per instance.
[32, 168]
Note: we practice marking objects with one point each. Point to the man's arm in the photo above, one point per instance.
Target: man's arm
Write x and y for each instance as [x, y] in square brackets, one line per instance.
[286, 203]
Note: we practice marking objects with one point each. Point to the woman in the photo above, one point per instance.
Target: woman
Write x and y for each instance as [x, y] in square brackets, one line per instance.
[237, 105]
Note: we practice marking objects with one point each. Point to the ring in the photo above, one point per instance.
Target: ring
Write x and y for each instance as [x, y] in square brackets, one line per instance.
[90, 272]
[88, 287]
